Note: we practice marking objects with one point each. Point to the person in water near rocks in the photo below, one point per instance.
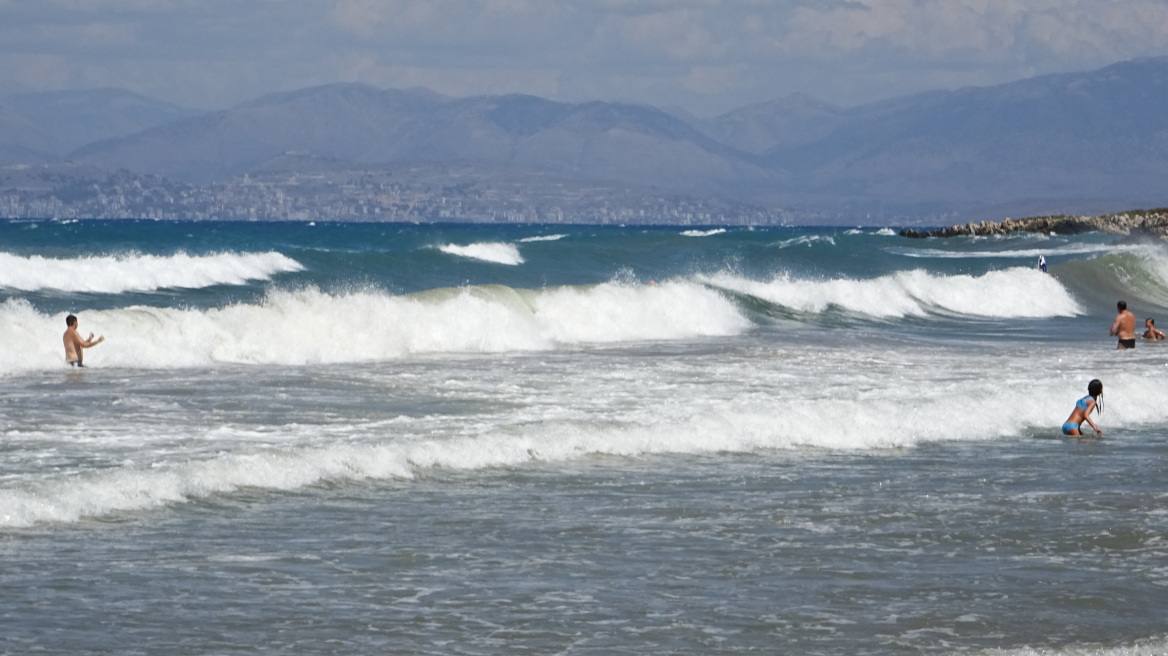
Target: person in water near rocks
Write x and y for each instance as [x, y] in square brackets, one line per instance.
[1083, 408]
[74, 345]
[1124, 327]
[1152, 332]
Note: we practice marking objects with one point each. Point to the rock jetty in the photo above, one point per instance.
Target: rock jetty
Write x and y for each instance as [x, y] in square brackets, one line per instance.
[1135, 223]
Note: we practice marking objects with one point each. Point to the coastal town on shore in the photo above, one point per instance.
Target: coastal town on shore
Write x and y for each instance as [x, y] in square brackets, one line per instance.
[433, 194]
[390, 194]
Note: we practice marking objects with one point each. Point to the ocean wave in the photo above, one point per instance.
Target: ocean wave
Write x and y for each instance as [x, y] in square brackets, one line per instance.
[1158, 269]
[543, 238]
[806, 240]
[1009, 293]
[703, 233]
[1139, 277]
[1157, 646]
[298, 456]
[309, 326]
[114, 274]
[825, 424]
[496, 252]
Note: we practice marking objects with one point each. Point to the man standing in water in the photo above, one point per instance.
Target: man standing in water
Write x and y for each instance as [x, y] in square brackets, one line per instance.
[74, 345]
[1124, 327]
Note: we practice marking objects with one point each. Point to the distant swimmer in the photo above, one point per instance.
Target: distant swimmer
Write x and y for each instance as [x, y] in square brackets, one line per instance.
[74, 345]
[1124, 327]
[1083, 408]
[1152, 332]
[1042, 263]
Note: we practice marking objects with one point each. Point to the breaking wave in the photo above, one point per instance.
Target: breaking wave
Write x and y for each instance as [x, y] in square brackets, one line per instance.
[113, 274]
[1010, 293]
[301, 455]
[496, 252]
[310, 326]
[543, 238]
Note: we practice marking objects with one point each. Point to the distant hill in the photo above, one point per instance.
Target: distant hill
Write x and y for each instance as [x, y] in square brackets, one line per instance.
[55, 123]
[340, 121]
[21, 141]
[1047, 141]
[1072, 143]
[592, 141]
[786, 122]
[358, 123]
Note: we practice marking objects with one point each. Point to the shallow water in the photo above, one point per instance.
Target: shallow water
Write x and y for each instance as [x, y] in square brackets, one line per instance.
[344, 454]
[936, 549]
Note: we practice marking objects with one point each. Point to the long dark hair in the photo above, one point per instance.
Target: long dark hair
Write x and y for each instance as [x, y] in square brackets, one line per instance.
[1095, 390]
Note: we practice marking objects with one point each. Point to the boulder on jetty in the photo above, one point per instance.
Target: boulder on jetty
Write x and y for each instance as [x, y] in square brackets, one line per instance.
[1135, 223]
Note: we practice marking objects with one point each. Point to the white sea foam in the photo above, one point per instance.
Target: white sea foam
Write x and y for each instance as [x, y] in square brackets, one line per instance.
[310, 326]
[497, 252]
[1015, 292]
[543, 238]
[1152, 647]
[841, 424]
[627, 312]
[112, 274]
[806, 240]
[703, 233]
[863, 419]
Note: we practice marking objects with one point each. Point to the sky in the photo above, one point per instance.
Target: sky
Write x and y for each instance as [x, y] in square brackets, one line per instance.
[703, 56]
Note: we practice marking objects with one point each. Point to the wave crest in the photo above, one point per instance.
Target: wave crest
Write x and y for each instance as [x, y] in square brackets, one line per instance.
[309, 326]
[301, 455]
[114, 274]
[496, 252]
[1009, 293]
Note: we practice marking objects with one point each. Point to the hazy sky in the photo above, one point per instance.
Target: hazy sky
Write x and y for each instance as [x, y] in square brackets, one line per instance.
[706, 56]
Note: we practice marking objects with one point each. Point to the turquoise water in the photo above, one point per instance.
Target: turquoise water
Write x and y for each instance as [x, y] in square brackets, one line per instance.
[560, 439]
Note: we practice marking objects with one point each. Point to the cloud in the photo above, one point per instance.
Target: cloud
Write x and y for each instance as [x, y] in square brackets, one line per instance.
[674, 35]
[1045, 29]
[515, 25]
[33, 71]
[706, 55]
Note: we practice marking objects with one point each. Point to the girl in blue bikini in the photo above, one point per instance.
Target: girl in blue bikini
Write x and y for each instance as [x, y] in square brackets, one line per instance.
[1083, 408]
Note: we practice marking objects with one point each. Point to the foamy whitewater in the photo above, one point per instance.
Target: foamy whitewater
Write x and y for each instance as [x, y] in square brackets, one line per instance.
[370, 438]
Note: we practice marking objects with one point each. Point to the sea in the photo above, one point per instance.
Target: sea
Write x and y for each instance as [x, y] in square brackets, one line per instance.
[370, 438]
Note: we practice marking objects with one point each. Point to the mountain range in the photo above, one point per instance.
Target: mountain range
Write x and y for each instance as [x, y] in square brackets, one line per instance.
[1067, 143]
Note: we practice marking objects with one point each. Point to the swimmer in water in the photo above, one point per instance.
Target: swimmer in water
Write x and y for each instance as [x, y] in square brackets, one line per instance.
[74, 345]
[1152, 332]
[1124, 327]
[1083, 408]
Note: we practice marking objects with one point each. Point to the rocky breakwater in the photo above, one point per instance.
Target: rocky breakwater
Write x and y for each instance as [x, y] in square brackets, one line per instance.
[1135, 224]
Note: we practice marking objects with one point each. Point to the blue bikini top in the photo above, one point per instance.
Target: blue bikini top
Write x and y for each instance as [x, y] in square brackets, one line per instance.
[1082, 403]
